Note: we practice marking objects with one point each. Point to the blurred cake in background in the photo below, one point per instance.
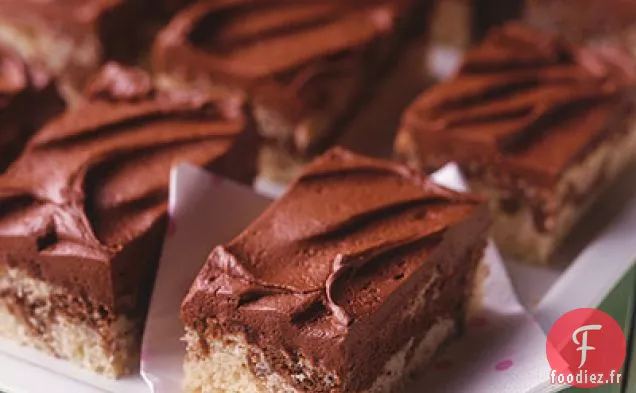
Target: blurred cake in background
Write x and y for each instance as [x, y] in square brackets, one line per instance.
[587, 20]
[73, 38]
[538, 124]
[457, 24]
[308, 68]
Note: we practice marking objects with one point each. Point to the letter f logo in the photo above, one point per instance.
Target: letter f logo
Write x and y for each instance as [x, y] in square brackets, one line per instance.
[583, 344]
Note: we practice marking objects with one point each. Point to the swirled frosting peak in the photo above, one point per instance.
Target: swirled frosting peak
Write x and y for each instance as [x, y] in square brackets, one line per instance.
[340, 246]
[86, 202]
[526, 102]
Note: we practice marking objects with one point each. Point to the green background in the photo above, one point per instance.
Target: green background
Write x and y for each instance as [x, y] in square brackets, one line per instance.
[621, 305]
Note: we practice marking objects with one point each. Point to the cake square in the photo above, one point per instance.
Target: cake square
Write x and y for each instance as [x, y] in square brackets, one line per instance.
[537, 123]
[83, 213]
[28, 98]
[307, 67]
[347, 283]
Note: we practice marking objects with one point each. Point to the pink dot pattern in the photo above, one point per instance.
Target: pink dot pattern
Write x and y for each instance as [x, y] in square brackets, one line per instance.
[504, 365]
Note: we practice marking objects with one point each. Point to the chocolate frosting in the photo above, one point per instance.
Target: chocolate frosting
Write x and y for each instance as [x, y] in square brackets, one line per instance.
[84, 207]
[28, 98]
[524, 104]
[286, 54]
[336, 252]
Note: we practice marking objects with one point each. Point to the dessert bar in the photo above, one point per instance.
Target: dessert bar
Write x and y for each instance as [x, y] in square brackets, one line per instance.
[307, 67]
[348, 283]
[29, 98]
[83, 213]
[537, 123]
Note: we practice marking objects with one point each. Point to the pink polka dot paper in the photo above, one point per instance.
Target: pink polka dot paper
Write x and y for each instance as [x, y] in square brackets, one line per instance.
[504, 365]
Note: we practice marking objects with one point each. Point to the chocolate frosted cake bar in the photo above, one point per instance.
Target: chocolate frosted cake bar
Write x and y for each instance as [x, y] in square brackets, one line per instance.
[307, 66]
[348, 283]
[28, 98]
[83, 213]
[538, 124]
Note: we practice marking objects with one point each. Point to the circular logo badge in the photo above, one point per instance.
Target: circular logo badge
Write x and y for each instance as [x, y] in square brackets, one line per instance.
[586, 348]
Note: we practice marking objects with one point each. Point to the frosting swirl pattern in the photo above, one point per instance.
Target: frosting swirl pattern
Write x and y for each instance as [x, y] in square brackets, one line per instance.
[89, 195]
[524, 101]
[291, 42]
[295, 57]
